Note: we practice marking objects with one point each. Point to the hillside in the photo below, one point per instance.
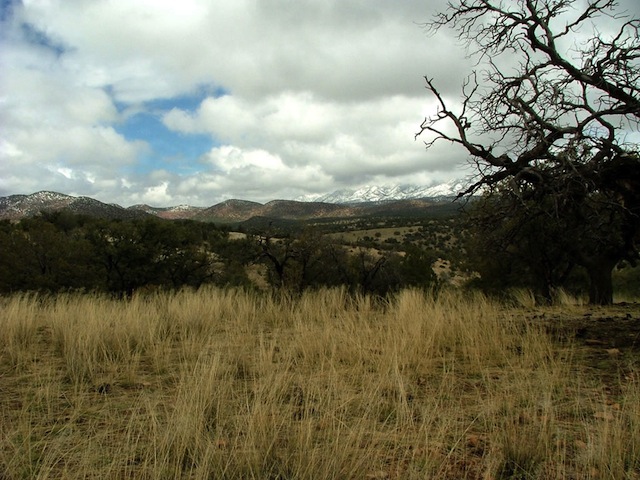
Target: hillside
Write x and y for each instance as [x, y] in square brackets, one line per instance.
[15, 207]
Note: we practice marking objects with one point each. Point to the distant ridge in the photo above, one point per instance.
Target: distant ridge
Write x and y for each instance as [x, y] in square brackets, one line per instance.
[16, 207]
[179, 212]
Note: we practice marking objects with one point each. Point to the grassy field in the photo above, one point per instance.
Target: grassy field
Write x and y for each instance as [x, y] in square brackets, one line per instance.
[226, 384]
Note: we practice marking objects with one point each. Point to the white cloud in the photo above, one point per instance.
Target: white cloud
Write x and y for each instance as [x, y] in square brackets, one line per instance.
[320, 95]
[348, 143]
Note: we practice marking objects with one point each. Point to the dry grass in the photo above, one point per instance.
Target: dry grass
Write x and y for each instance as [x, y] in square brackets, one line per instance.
[225, 384]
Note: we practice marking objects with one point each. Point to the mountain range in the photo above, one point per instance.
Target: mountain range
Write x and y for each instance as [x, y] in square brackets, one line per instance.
[376, 193]
[343, 203]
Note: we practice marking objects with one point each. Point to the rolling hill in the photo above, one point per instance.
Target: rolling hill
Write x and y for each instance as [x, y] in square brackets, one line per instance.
[15, 207]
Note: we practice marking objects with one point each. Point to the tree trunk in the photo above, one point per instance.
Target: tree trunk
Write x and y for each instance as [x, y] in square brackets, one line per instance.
[600, 283]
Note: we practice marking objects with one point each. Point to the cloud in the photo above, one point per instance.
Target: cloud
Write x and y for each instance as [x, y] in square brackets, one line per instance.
[256, 99]
[347, 142]
[304, 97]
[57, 135]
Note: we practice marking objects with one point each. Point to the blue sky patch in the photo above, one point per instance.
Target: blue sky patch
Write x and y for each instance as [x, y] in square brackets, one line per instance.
[172, 151]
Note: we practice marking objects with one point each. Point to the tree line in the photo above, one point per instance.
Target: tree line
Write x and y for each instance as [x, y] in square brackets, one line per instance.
[61, 251]
[494, 244]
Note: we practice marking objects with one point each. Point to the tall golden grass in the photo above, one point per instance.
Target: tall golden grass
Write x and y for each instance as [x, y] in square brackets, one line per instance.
[228, 384]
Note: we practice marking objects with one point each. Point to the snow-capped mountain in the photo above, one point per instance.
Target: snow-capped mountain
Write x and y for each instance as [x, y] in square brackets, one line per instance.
[388, 193]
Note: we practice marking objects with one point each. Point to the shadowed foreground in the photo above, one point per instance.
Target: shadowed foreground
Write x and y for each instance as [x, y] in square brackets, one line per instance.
[226, 384]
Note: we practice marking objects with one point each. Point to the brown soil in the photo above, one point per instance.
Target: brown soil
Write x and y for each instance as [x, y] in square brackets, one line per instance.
[597, 328]
[606, 340]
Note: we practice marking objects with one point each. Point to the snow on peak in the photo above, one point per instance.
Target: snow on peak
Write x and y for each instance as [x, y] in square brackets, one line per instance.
[377, 193]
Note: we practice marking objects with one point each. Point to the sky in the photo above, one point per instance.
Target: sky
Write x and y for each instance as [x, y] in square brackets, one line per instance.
[194, 102]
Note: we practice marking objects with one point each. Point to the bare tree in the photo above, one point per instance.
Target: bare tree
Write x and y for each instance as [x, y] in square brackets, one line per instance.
[279, 252]
[549, 113]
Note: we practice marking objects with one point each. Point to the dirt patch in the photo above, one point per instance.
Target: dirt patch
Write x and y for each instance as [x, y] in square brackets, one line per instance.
[614, 327]
[605, 340]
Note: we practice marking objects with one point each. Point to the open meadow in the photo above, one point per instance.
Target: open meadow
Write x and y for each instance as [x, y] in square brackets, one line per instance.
[228, 384]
